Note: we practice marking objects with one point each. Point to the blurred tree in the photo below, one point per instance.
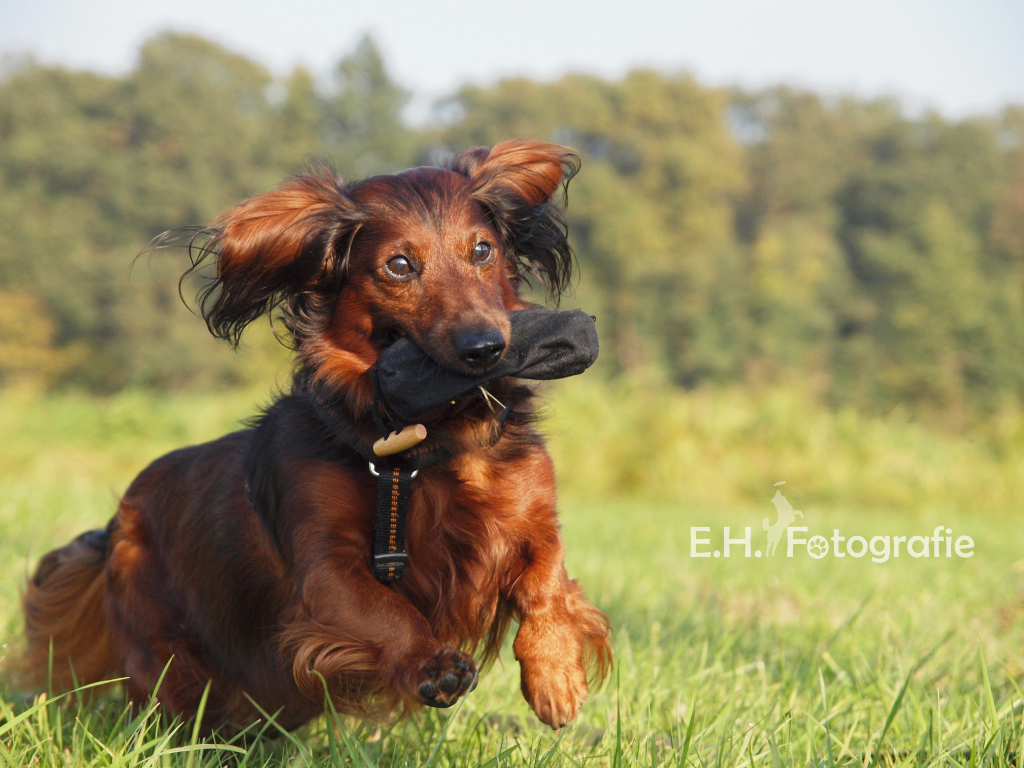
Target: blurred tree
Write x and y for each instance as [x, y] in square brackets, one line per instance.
[868, 244]
[27, 356]
[1006, 232]
[92, 168]
[362, 128]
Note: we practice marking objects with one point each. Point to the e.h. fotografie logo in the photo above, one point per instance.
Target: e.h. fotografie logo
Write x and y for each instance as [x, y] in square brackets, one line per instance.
[939, 544]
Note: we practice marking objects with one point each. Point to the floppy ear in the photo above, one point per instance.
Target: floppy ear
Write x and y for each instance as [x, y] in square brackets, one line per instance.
[273, 248]
[531, 170]
[516, 181]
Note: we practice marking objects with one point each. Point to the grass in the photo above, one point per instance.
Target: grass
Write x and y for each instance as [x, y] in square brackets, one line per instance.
[719, 662]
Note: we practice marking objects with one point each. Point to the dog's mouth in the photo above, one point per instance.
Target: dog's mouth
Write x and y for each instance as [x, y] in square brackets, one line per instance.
[389, 337]
[471, 353]
[545, 344]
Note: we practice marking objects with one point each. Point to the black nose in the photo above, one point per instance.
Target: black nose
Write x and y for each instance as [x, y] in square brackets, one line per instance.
[479, 349]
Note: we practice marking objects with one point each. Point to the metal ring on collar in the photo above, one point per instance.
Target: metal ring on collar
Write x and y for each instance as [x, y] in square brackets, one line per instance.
[375, 473]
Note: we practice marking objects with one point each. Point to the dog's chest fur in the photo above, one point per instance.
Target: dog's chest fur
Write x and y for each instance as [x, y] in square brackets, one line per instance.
[463, 546]
[469, 520]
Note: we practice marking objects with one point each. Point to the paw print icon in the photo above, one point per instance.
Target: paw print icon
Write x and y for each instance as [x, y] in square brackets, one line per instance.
[817, 547]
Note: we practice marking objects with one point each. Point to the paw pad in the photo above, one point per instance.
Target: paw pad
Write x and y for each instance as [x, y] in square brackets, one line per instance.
[446, 677]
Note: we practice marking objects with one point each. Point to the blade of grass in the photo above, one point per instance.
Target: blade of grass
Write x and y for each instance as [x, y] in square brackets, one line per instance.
[689, 735]
[302, 748]
[850, 620]
[899, 696]
[198, 723]
[496, 760]
[546, 757]
[617, 757]
[5, 727]
[988, 687]
[828, 730]
[776, 757]
[444, 732]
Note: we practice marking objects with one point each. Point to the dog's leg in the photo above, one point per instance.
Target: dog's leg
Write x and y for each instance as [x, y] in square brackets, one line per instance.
[360, 636]
[150, 639]
[560, 635]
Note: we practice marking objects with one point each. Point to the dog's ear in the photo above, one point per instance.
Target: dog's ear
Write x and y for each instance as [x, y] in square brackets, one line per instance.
[516, 182]
[275, 247]
[531, 170]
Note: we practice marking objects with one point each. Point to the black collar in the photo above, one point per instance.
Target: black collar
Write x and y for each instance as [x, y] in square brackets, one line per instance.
[352, 443]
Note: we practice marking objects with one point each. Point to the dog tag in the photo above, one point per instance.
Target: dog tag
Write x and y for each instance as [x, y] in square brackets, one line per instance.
[397, 442]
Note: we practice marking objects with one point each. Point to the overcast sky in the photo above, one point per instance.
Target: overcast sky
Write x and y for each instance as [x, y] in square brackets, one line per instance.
[958, 56]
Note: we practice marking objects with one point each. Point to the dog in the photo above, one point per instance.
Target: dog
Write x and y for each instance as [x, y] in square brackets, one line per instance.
[245, 563]
[786, 517]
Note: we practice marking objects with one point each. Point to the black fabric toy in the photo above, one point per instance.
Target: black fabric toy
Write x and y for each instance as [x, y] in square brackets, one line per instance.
[545, 344]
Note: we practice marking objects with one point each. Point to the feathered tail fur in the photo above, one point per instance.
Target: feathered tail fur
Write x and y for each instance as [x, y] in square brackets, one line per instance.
[64, 618]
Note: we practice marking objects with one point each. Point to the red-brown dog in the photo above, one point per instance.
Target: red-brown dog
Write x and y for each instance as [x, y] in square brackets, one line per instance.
[268, 592]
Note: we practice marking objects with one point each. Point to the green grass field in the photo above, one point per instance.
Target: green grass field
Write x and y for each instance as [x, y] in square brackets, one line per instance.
[719, 662]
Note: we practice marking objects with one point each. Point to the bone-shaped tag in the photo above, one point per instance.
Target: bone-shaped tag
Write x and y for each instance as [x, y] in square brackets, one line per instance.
[396, 442]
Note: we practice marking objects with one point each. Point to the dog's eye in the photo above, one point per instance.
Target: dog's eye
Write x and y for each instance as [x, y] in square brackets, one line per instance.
[483, 253]
[398, 267]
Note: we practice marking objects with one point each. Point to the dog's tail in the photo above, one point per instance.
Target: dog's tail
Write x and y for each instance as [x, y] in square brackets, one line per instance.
[68, 643]
[765, 525]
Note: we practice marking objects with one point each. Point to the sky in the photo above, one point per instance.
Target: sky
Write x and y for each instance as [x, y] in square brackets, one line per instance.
[960, 57]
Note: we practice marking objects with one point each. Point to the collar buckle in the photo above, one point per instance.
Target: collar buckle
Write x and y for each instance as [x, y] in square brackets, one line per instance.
[375, 473]
[390, 566]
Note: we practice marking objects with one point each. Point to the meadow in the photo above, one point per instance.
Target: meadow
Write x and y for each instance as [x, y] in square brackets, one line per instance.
[735, 661]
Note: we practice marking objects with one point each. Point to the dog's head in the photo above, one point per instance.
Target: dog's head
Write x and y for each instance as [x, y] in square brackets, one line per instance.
[434, 254]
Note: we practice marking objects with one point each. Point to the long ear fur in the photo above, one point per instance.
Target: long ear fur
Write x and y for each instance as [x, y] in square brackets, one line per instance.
[274, 248]
[516, 181]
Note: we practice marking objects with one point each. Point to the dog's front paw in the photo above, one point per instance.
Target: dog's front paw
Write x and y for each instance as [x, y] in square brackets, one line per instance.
[444, 677]
[554, 681]
[556, 693]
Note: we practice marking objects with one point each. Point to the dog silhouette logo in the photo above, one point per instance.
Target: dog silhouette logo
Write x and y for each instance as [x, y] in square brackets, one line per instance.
[786, 514]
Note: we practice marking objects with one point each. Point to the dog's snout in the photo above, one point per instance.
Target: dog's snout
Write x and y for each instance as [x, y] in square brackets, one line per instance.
[479, 348]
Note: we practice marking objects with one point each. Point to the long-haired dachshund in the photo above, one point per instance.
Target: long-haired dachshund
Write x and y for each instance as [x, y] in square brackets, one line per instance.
[247, 560]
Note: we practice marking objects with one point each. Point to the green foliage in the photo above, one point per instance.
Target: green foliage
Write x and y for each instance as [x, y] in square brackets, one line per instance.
[729, 661]
[28, 358]
[876, 253]
[723, 236]
[93, 167]
[362, 130]
[724, 446]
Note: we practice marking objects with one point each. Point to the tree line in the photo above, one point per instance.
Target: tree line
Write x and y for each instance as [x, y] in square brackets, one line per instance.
[723, 236]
